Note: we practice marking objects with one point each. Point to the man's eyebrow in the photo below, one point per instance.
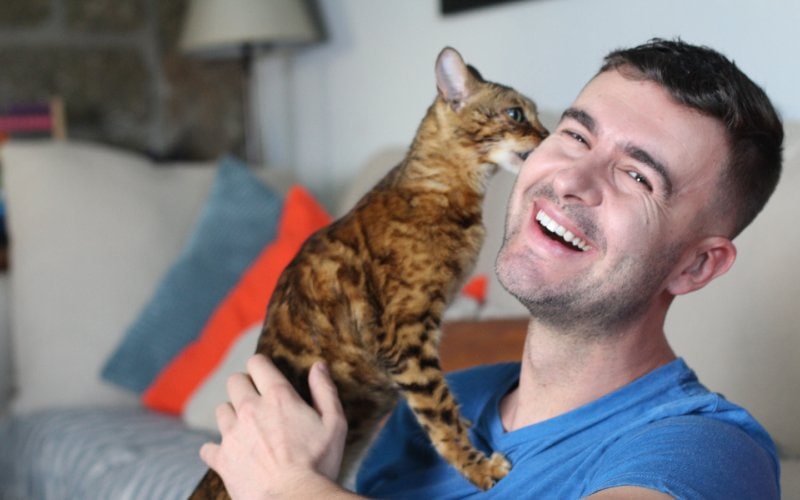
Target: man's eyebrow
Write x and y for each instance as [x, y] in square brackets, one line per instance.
[643, 156]
[581, 117]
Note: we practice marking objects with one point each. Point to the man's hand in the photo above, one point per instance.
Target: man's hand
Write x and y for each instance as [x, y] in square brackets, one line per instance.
[273, 444]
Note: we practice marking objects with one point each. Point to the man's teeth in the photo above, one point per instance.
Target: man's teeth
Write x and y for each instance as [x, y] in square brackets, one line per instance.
[557, 229]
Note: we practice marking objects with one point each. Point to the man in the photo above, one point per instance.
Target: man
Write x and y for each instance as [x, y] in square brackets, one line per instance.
[663, 158]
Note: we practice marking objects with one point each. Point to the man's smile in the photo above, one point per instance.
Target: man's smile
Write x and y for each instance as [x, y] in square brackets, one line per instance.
[559, 232]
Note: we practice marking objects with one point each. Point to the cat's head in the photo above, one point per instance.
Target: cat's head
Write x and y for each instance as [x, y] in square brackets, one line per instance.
[499, 122]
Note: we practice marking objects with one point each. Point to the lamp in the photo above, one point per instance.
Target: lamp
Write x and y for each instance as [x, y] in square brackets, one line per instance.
[235, 28]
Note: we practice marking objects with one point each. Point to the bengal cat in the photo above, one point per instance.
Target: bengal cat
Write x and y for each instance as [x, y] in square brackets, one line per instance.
[367, 293]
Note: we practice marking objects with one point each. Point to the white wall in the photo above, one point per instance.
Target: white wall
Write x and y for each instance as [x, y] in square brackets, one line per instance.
[369, 84]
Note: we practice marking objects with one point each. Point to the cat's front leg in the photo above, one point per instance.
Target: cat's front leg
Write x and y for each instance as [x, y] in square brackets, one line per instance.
[422, 383]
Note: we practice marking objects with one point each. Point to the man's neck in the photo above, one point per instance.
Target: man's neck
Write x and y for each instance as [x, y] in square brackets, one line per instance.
[563, 371]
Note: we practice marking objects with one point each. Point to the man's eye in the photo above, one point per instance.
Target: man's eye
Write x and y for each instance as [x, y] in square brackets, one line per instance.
[636, 176]
[574, 135]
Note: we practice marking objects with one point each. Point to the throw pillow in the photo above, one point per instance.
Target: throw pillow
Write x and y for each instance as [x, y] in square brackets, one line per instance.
[238, 220]
[242, 309]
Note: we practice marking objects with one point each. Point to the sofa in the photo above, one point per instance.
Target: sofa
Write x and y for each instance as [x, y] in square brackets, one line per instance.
[134, 288]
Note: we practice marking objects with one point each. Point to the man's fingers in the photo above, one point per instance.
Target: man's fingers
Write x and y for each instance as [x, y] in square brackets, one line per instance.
[240, 388]
[265, 374]
[268, 381]
[209, 453]
[291, 435]
[226, 417]
[325, 396]
[329, 408]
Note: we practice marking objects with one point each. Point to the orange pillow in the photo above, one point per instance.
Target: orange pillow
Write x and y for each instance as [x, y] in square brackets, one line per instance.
[242, 308]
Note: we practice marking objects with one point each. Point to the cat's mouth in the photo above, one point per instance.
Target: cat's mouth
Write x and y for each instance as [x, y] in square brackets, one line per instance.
[506, 157]
[559, 233]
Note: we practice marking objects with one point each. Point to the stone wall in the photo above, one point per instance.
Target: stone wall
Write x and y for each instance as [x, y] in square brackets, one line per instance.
[122, 78]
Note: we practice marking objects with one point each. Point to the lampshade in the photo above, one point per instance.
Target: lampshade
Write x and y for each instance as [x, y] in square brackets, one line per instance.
[220, 26]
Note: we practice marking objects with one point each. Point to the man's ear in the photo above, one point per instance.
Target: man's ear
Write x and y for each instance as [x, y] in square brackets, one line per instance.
[702, 263]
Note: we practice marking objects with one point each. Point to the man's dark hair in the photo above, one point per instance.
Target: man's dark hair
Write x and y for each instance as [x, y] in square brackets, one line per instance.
[705, 80]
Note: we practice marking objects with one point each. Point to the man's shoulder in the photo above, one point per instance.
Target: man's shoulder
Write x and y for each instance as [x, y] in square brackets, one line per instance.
[709, 428]
[693, 452]
[695, 437]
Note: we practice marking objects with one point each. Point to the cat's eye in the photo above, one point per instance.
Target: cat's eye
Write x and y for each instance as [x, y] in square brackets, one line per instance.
[516, 114]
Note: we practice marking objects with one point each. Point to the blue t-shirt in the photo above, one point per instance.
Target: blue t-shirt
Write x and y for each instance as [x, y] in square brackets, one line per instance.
[663, 431]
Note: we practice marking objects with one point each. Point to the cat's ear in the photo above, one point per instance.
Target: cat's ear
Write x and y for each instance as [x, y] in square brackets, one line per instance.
[455, 81]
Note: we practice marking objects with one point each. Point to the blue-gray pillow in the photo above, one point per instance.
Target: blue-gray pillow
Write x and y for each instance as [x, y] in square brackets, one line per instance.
[238, 220]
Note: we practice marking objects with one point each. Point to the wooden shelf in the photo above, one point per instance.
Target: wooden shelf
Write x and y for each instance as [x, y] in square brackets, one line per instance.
[470, 343]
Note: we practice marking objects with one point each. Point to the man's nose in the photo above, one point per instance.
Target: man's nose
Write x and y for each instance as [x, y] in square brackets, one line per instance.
[580, 183]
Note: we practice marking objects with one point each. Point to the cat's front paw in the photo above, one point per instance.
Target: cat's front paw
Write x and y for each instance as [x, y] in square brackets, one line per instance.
[490, 470]
[499, 466]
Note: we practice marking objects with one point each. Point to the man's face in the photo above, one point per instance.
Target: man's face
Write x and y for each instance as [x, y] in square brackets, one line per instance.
[628, 176]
